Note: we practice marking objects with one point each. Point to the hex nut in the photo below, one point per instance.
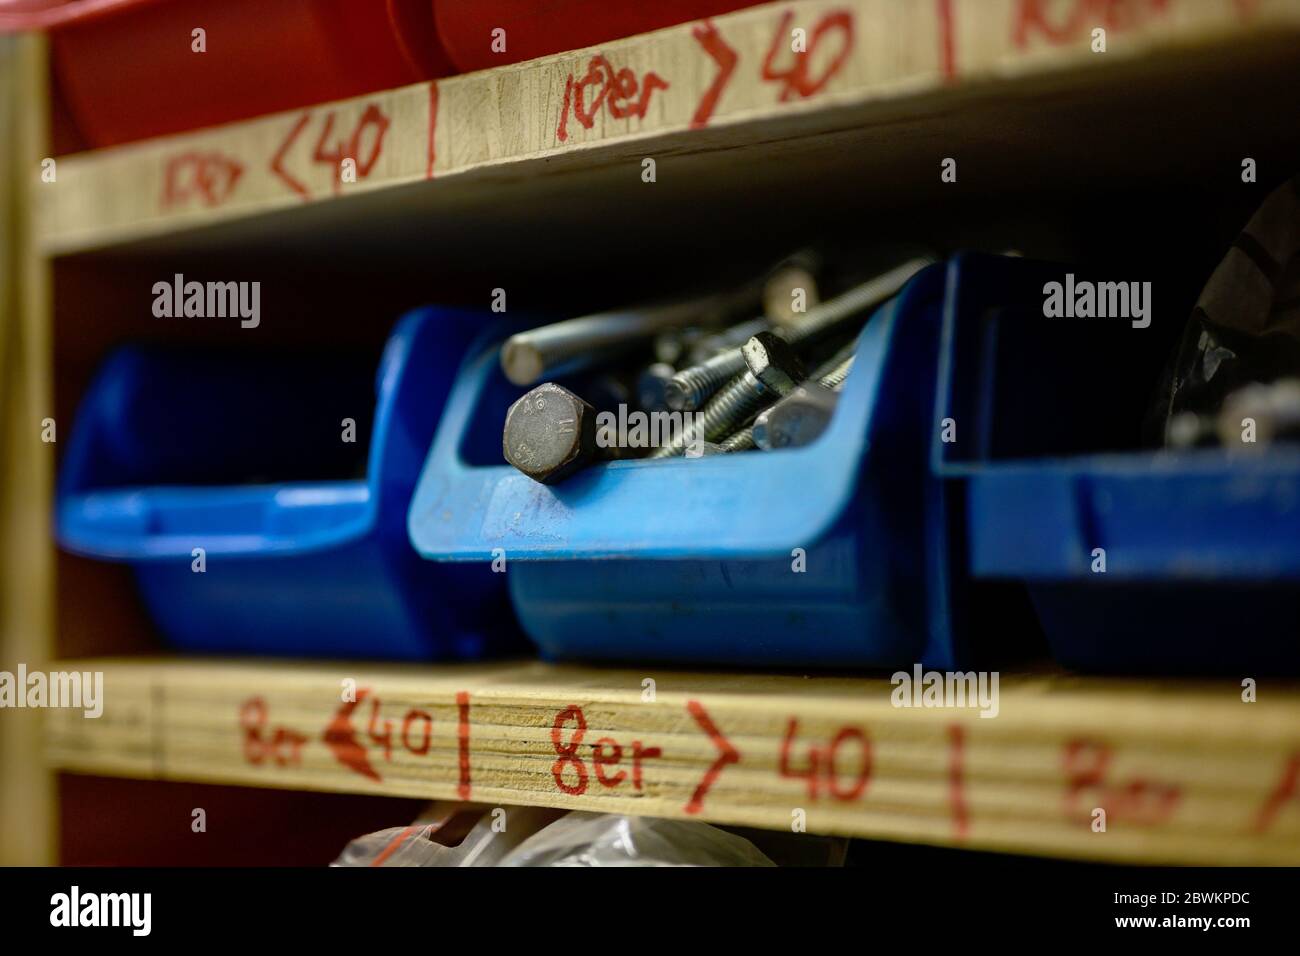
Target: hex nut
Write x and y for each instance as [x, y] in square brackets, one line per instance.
[773, 362]
[549, 433]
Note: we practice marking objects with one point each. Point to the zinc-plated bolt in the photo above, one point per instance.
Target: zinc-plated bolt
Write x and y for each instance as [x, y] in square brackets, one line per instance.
[578, 343]
[799, 418]
[732, 337]
[773, 362]
[691, 387]
[773, 369]
[796, 420]
[704, 449]
[550, 433]
[742, 440]
[833, 373]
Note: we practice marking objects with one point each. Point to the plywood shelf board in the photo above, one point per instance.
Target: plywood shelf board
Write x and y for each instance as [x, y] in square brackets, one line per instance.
[502, 143]
[1187, 771]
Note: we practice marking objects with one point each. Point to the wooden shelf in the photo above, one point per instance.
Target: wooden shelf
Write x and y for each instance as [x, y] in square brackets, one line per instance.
[471, 171]
[886, 90]
[1187, 772]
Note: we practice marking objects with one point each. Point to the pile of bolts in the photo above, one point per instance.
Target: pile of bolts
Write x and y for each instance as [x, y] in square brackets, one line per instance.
[724, 380]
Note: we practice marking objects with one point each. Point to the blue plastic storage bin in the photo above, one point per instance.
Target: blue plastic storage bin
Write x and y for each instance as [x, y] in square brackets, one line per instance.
[1201, 548]
[303, 556]
[691, 560]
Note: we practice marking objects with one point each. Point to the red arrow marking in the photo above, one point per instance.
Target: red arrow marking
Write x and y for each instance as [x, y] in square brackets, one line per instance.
[341, 738]
[1286, 790]
[726, 754]
[707, 36]
[278, 158]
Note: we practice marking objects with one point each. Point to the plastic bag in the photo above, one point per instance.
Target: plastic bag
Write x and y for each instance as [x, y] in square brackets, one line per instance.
[532, 836]
[607, 839]
[449, 835]
[1246, 324]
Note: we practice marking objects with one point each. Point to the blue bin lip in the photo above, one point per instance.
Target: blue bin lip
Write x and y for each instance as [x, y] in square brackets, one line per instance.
[1155, 464]
[136, 523]
[667, 509]
[1083, 490]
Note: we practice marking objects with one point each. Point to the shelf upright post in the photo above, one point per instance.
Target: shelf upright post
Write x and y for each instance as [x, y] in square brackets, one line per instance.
[28, 814]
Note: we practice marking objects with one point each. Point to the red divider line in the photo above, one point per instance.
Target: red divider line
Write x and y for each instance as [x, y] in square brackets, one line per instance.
[947, 42]
[433, 125]
[462, 733]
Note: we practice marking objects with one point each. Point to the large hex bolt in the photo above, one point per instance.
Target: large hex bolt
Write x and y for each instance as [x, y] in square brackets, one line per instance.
[550, 433]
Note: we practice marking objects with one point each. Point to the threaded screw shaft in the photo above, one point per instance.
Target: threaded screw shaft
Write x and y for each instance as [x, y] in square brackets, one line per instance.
[724, 411]
[834, 378]
[691, 387]
[742, 440]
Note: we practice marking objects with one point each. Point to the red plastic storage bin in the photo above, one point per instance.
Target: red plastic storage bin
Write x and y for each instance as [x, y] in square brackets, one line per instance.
[540, 27]
[128, 72]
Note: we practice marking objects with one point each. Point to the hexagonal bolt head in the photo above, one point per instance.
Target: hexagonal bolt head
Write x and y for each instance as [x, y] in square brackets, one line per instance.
[550, 433]
[796, 420]
[773, 362]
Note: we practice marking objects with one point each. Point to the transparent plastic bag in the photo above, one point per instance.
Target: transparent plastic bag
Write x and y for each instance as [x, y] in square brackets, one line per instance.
[1245, 328]
[469, 835]
[449, 835]
[607, 839]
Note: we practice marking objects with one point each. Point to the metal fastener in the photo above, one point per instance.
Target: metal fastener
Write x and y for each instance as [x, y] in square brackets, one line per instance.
[796, 420]
[550, 433]
[773, 369]
[691, 387]
[799, 418]
[742, 440]
[566, 346]
[707, 346]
